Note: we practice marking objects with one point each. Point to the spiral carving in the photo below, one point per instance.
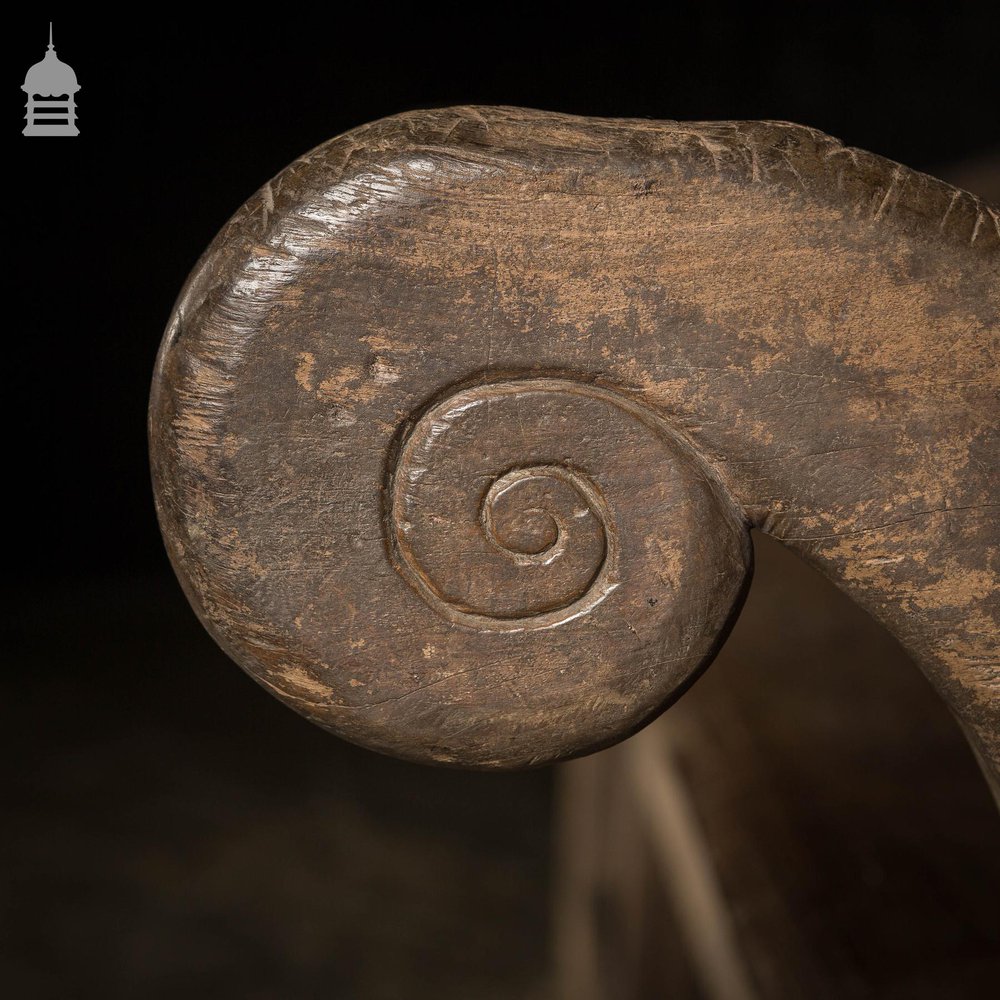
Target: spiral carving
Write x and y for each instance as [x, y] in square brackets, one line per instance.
[510, 505]
[517, 545]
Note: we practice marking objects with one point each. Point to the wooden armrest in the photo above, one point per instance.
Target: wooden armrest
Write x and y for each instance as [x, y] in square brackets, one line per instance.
[459, 426]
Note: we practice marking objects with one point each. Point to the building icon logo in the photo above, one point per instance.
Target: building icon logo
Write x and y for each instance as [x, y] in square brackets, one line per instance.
[51, 88]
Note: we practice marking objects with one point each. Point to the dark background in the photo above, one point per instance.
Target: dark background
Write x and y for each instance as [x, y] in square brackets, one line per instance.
[141, 761]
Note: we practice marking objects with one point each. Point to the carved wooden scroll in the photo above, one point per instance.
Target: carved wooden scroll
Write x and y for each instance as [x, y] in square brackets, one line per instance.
[460, 425]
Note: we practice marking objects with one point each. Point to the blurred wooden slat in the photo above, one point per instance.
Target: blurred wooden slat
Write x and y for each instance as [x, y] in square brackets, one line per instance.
[851, 835]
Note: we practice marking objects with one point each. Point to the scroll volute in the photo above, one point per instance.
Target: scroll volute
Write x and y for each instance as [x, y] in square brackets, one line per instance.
[460, 425]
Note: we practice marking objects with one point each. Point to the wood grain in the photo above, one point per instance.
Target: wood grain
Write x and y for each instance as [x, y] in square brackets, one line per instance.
[459, 426]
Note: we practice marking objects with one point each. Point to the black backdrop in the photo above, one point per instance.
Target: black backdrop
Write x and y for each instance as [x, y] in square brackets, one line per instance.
[183, 116]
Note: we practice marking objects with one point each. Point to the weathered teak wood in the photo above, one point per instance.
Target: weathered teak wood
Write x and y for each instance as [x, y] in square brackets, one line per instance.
[459, 425]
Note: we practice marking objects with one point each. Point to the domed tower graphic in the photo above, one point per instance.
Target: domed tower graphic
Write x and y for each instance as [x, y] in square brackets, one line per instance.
[51, 88]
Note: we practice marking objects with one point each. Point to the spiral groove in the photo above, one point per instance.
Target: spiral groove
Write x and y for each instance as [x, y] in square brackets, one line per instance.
[505, 506]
